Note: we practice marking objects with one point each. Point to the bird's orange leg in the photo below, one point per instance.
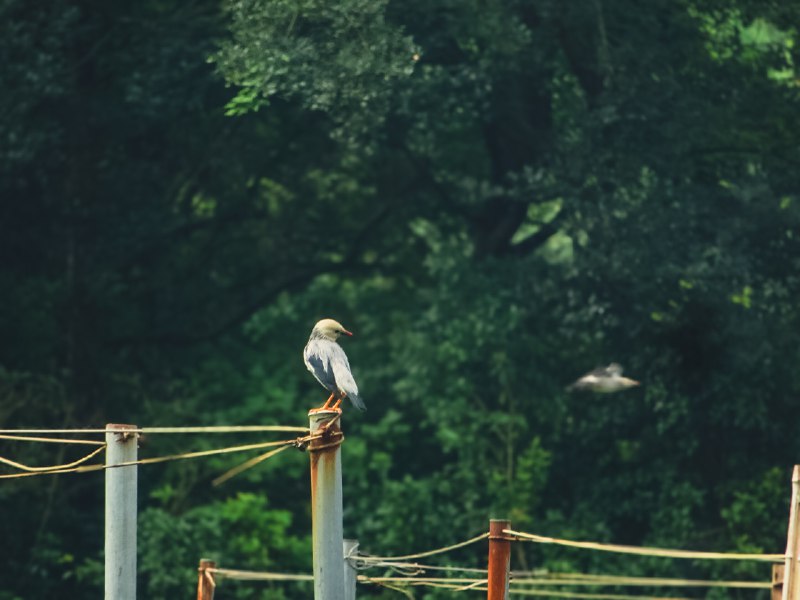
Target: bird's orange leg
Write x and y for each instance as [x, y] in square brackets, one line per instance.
[325, 406]
[336, 406]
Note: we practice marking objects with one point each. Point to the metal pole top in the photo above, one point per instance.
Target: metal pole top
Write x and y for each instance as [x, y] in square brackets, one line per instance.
[496, 527]
[329, 423]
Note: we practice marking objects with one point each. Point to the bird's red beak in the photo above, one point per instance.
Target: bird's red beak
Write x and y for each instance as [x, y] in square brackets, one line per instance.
[350, 333]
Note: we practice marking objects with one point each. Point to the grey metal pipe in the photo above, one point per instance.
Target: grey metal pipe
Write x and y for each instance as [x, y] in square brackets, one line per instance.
[326, 505]
[350, 574]
[120, 535]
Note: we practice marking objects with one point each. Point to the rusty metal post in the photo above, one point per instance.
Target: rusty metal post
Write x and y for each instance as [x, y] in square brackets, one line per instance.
[499, 559]
[791, 581]
[205, 580]
[349, 548]
[326, 505]
[120, 534]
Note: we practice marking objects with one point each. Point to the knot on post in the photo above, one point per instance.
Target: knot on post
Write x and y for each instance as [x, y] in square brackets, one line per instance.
[327, 424]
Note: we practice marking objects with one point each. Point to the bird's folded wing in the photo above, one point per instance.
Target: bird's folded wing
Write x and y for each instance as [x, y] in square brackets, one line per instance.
[341, 371]
[317, 358]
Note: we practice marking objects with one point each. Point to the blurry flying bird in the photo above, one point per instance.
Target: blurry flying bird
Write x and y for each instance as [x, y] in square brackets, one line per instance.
[328, 363]
[605, 380]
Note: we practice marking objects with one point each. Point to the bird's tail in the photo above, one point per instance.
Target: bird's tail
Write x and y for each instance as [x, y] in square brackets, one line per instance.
[357, 402]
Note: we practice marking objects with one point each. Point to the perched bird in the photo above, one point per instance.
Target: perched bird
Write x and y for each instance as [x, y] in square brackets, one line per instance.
[605, 380]
[328, 363]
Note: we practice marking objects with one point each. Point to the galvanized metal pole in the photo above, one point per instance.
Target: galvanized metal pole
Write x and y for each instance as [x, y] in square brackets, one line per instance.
[791, 581]
[205, 581]
[350, 574]
[326, 505]
[121, 484]
[499, 559]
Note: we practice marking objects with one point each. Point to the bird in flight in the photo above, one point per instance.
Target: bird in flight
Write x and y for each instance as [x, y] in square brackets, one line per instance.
[604, 380]
[329, 365]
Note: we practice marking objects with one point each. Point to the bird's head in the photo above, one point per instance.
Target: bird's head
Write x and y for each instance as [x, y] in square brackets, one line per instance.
[627, 382]
[329, 329]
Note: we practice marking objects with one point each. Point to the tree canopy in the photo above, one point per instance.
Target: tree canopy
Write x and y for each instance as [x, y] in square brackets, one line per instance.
[494, 196]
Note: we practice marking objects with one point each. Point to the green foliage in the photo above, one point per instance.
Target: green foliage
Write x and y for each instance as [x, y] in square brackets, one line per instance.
[241, 530]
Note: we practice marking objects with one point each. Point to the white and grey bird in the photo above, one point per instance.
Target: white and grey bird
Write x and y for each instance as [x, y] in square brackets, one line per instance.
[604, 380]
[328, 363]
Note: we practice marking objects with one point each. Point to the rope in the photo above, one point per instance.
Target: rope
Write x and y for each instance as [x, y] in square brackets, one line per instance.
[464, 584]
[553, 593]
[644, 551]
[420, 580]
[458, 585]
[368, 559]
[246, 465]
[148, 430]
[38, 470]
[643, 582]
[158, 459]
[258, 575]
[21, 438]
[410, 567]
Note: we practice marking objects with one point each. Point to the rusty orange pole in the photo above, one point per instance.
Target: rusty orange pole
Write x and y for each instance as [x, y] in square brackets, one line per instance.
[499, 559]
[205, 581]
[326, 505]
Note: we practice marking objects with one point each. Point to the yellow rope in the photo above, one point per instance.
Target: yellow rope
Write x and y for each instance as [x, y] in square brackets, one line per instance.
[22, 438]
[258, 575]
[225, 429]
[458, 585]
[38, 470]
[644, 551]
[463, 584]
[553, 593]
[477, 538]
[146, 430]
[642, 581]
[420, 580]
[246, 465]
[413, 566]
[160, 459]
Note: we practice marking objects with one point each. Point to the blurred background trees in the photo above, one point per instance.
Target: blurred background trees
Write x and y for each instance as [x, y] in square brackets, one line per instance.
[495, 196]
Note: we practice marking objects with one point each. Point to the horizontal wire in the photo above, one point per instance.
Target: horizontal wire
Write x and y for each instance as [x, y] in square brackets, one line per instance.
[463, 583]
[643, 582]
[416, 566]
[589, 595]
[207, 429]
[457, 585]
[39, 470]
[644, 550]
[367, 558]
[419, 580]
[21, 438]
[258, 575]
[226, 429]
[171, 457]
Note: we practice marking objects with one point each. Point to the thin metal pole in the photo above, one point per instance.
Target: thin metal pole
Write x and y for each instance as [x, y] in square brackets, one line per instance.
[326, 505]
[791, 580]
[205, 581]
[120, 541]
[350, 574]
[499, 559]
